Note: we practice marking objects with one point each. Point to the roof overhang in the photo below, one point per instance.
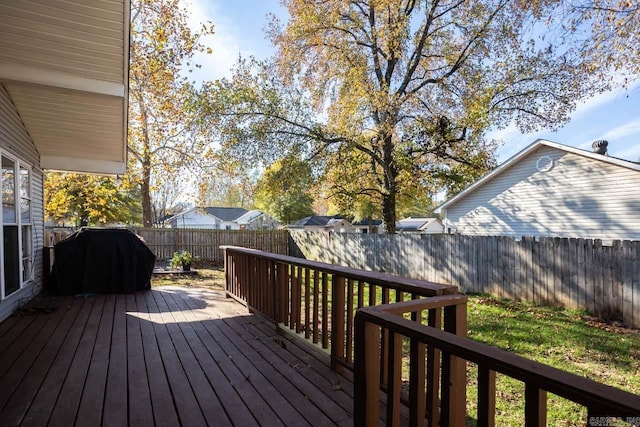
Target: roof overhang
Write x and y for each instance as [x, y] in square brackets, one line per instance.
[65, 66]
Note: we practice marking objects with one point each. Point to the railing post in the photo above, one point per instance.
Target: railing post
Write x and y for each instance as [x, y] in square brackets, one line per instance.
[366, 376]
[394, 382]
[337, 320]
[273, 285]
[282, 293]
[417, 377]
[455, 321]
[535, 406]
[433, 372]
[227, 273]
[486, 397]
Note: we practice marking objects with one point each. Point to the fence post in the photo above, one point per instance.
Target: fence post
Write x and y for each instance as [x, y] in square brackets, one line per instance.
[337, 320]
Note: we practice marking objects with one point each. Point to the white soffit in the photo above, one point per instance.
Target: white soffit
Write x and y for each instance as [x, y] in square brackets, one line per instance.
[65, 66]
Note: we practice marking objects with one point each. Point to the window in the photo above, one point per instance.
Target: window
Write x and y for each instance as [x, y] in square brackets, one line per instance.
[17, 245]
[25, 223]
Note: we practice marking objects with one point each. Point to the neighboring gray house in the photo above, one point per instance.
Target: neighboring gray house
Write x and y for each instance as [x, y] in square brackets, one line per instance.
[63, 106]
[223, 218]
[419, 226]
[550, 189]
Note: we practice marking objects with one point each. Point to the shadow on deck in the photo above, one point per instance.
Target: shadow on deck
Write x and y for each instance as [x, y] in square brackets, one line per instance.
[170, 356]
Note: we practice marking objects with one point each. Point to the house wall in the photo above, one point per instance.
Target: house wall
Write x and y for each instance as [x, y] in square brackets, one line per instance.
[195, 219]
[577, 197]
[263, 222]
[229, 225]
[434, 227]
[364, 229]
[342, 226]
[15, 141]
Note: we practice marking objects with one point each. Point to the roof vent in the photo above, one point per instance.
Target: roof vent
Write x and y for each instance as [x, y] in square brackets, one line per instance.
[600, 147]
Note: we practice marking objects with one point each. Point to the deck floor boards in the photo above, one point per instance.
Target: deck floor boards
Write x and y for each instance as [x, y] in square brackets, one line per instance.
[169, 356]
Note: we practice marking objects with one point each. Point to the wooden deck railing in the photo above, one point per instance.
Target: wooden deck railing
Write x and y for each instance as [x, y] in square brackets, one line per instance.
[453, 352]
[318, 301]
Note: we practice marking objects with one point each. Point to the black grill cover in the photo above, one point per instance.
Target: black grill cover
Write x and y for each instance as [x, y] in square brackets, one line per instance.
[101, 260]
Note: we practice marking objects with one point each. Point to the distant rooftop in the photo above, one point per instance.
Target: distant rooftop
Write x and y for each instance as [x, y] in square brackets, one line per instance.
[226, 214]
[413, 224]
[315, 220]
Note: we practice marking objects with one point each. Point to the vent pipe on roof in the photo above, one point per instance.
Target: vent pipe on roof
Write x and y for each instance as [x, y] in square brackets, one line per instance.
[600, 147]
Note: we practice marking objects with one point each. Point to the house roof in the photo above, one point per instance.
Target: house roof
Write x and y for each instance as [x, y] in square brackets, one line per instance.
[226, 214]
[65, 66]
[517, 157]
[315, 220]
[414, 224]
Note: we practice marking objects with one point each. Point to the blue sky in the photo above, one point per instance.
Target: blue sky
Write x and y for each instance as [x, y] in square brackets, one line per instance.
[240, 30]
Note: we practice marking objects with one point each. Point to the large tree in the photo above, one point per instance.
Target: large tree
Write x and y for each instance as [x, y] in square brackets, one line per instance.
[161, 136]
[411, 85]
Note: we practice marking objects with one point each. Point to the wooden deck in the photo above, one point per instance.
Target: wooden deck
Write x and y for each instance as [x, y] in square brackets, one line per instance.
[171, 356]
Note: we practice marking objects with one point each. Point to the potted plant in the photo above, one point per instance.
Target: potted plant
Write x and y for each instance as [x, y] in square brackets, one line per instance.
[182, 259]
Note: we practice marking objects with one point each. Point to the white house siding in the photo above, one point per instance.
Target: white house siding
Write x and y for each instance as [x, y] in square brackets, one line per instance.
[199, 219]
[15, 141]
[435, 227]
[578, 197]
[195, 219]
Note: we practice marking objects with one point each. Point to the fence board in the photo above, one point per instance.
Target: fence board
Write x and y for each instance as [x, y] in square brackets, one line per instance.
[203, 244]
[580, 273]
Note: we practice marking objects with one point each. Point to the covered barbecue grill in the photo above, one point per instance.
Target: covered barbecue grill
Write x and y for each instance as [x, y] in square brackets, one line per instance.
[100, 260]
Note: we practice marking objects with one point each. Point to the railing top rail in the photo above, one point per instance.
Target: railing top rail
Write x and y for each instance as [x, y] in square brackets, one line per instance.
[582, 390]
[416, 305]
[405, 284]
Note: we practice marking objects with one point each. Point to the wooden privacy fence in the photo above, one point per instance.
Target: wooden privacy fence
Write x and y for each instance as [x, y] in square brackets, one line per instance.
[574, 273]
[205, 243]
[202, 243]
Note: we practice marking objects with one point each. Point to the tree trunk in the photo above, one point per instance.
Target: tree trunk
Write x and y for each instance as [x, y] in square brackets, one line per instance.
[145, 163]
[390, 187]
[389, 212]
[145, 190]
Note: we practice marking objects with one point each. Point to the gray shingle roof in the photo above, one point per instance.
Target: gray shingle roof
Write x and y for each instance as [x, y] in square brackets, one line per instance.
[226, 214]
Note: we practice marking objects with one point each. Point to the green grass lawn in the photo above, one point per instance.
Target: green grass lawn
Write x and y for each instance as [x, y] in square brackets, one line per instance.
[565, 339]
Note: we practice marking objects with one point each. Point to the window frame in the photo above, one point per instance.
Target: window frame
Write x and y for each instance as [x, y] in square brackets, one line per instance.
[18, 165]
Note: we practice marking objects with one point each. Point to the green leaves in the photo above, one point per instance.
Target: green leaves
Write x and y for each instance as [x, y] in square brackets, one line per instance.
[90, 200]
[284, 190]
